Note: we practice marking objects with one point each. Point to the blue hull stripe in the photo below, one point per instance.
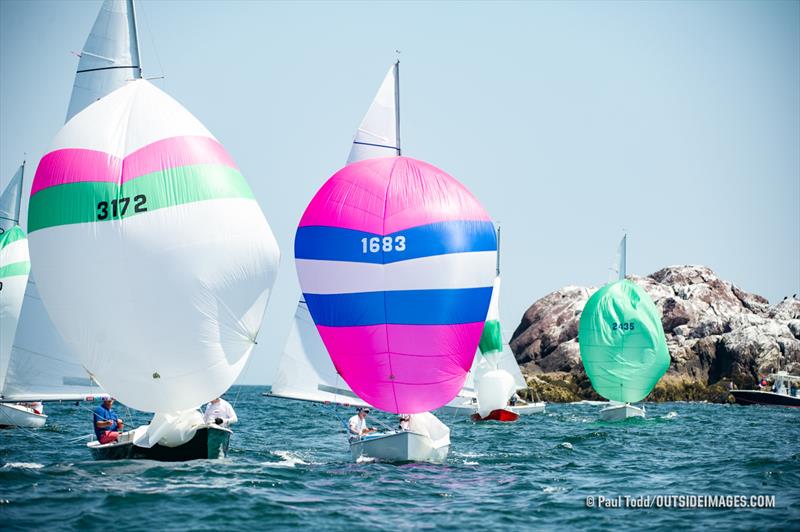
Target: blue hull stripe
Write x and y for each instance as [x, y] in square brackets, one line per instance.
[406, 307]
[336, 243]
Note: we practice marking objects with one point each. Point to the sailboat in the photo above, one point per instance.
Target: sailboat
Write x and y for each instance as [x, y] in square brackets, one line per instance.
[305, 372]
[154, 260]
[622, 344]
[395, 259]
[496, 375]
[35, 365]
[15, 266]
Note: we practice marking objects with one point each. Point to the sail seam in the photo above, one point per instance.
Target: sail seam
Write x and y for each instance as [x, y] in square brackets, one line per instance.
[104, 68]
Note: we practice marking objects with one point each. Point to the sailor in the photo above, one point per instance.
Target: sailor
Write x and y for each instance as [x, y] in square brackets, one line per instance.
[357, 426]
[107, 425]
[405, 422]
[221, 412]
[36, 406]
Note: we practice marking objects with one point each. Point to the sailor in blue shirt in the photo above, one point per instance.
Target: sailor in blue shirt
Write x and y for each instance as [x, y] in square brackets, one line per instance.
[107, 425]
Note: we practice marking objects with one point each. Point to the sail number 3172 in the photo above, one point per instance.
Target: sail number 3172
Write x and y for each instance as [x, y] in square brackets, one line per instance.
[117, 208]
[376, 244]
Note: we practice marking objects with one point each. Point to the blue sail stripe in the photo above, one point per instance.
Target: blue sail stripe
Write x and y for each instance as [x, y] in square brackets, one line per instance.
[401, 307]
[336, 243]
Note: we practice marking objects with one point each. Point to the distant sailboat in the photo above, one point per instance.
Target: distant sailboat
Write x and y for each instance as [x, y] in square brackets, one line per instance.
[15, 266]
[622, 344]
[495, 374]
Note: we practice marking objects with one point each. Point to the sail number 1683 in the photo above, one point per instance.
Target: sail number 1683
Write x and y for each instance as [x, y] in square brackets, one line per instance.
[377, 244]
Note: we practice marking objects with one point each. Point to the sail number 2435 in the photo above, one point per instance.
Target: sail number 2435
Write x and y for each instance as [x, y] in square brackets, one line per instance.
[376, 244]
[117, 208]
[624, 326]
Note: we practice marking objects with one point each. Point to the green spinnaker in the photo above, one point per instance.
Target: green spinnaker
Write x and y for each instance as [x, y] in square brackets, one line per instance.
[622, 342]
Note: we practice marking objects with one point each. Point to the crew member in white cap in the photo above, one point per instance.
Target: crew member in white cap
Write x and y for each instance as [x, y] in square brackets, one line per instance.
[357, 425]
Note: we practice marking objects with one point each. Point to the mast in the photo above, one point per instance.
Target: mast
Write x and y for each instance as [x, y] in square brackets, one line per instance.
[397, 104]
[137, 73]
[623, 251]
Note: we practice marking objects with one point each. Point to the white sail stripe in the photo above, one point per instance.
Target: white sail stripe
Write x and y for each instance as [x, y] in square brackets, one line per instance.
[150, 114]
[16, 251]
[452, 270]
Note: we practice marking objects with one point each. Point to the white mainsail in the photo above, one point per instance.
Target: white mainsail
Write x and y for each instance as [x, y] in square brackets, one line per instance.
[10, 201]
[305, 370]
[379, 132]
[42, 367]
[14, 269]
[110, 57]
[619, 268]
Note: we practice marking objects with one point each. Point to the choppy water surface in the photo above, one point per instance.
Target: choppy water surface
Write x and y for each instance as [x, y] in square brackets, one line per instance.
[289, 467]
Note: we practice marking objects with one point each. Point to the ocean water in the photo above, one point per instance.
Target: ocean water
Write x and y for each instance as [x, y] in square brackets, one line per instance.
[289, 467]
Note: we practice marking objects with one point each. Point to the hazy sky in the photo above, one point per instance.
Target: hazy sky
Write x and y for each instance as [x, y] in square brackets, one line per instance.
[679, 122]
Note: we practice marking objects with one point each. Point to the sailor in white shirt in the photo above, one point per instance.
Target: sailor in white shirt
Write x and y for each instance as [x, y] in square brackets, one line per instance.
[357, 425]
[221, 412]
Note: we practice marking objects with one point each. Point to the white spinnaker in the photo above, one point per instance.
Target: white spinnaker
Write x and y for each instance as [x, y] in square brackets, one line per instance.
[110, 57]
[10, 201]
[379, 132]
[305, 370]
[163, 307]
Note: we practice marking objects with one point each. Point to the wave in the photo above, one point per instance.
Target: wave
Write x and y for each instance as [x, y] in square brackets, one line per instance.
[22, 465]
[288, 459]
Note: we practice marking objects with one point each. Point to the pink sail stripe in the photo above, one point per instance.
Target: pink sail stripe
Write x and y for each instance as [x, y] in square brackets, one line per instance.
[386, 364]
[78, 165]
[411, 192]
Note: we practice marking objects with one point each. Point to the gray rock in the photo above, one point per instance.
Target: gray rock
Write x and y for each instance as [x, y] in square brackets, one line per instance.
[714, 329]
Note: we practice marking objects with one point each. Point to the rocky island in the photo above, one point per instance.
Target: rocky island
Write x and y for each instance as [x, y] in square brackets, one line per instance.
[716, 333]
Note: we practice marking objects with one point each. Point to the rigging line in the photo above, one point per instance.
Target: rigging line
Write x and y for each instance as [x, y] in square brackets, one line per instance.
[395, 148]
[153, 42]
[104, 68]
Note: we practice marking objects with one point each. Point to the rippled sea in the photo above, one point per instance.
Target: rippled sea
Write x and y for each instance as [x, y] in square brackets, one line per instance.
[289, 467]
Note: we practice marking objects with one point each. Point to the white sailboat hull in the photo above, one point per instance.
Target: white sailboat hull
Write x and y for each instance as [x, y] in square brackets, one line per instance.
[399, 447]
[618, 412]
[530, 408]
[466, 410]
[12, 415]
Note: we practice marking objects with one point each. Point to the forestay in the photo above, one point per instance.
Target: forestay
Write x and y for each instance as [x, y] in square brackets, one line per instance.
[152, 256]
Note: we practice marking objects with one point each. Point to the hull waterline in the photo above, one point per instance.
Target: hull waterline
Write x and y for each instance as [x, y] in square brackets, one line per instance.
[496, 415]
[619, 412]
[13, 415]
[209, 442]
[757, 397]
[399, 447]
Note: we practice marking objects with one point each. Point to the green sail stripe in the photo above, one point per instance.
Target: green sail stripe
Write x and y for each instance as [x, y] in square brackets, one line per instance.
[18, 268]
[74, 203]
[11, 235]
[491, 337]
[622, 343]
